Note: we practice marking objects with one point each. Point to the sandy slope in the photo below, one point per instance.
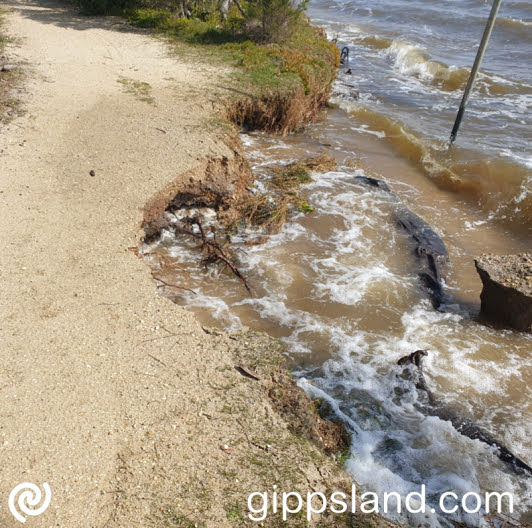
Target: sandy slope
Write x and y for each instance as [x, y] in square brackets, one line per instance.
[110, 393]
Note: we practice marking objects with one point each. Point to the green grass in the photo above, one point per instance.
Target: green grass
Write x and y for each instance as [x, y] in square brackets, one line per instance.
[141, 90]
[234, 515]
[305, 63]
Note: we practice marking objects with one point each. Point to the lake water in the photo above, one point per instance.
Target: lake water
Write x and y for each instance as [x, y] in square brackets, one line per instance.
[410, 61]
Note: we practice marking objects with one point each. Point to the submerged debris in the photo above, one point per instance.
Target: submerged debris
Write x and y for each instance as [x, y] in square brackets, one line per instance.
[214, 251]
[463, 425]
[204, 214]
[429, 249]
[270, 211]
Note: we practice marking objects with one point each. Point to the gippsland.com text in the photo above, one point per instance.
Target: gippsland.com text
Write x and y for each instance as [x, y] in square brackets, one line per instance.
[276, 502]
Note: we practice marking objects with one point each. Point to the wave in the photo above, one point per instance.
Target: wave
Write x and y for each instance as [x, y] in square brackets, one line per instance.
[502, 186]
[374, 41]
[514, 23]
[411, 60]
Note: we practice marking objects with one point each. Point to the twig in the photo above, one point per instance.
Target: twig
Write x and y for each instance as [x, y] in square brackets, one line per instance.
[158, 360]
[175, 286]
[254, 444]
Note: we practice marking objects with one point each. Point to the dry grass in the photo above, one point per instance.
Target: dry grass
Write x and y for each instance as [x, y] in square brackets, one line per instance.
[270, 211]
[9, 80]
[321, 163]
[293, 175]
[273, 112]
[265, 212]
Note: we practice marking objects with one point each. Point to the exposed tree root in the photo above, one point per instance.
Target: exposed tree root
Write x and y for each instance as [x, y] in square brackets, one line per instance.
[214, 252]
[174, 285]
[265, 212]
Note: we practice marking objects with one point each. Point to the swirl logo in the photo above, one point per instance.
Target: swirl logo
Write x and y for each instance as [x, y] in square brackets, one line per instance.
[30, 497]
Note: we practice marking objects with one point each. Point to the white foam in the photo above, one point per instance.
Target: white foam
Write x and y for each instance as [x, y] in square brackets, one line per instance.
[353, 283]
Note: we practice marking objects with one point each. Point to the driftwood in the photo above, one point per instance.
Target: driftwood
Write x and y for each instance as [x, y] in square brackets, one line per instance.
[462, 424]
[429, 248]
[214, 251]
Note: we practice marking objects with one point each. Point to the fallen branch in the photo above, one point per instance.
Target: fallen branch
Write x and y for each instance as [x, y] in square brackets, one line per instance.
[215, 252]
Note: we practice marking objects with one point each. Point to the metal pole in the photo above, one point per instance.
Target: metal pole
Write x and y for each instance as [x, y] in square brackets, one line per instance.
[476, 66]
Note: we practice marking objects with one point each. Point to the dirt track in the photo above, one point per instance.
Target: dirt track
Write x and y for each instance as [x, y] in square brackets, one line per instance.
[117, 398]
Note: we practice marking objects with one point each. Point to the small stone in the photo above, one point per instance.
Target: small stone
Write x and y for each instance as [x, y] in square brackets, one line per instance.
[92, 173]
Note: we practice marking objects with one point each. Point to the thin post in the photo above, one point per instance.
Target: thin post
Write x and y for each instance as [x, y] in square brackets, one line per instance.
[476, 66]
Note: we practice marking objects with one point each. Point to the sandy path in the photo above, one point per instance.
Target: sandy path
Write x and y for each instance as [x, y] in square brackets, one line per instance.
[79, 311]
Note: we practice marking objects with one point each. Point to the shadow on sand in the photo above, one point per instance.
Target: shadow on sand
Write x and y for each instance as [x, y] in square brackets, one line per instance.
[68, 16]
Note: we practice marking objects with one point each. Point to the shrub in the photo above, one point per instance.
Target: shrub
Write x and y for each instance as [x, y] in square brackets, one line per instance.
[259, 20]
[101, 7]
[272, 20]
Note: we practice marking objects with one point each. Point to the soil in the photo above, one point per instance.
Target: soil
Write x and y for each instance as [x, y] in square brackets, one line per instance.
[514, 271]
[506, 297]
[132, 412]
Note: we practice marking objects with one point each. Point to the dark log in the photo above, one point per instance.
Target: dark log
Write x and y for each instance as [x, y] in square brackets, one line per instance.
[465, 426]
[429, 249]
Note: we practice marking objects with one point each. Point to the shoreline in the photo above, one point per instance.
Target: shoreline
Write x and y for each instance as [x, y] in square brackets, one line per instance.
[113, 395]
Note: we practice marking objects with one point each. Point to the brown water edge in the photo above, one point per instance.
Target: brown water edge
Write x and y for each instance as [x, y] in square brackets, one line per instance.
[445, 210]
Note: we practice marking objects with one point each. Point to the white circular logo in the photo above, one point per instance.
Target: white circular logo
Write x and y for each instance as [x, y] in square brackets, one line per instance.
[30, 497]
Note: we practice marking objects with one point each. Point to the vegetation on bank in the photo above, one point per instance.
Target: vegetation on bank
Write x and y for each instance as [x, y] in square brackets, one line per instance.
[285, 67]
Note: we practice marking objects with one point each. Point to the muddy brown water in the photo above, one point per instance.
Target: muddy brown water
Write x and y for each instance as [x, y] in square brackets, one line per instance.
[409, 63]
[339, 286]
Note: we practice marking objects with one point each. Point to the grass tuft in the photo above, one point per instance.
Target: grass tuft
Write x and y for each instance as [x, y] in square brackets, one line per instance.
[141, 90]
[9, 80]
